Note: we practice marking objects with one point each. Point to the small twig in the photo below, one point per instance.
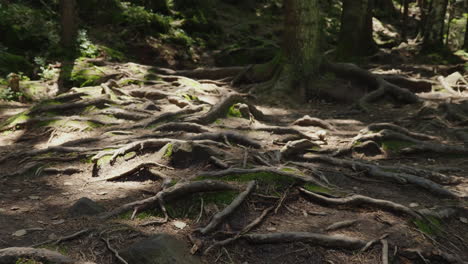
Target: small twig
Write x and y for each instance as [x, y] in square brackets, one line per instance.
[372, 242]
[65, 238]
[116, 253]
[384, 251]
[201, 212]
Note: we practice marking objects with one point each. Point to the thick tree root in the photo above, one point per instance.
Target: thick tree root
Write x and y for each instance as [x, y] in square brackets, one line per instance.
[417, 146]
[230, 137]
[412, 84]
[226, 212]
[297, 147]
[137, 168]
[11, 255]
[378, 172]
[221, 109]
[176, 191]
[74, 105]
[236, 171]
[360, 200]
[56, 149]
[312, 121]
[183, 126]
[380, 86]
[381, 126]
[329, 241]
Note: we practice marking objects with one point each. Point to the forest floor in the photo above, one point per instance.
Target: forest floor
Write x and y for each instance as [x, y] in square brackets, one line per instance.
[130, 139]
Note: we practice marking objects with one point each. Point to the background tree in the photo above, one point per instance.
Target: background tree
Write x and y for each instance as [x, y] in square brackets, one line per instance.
[356, 29]
[434, 28]
[68, 22]
[301, 45]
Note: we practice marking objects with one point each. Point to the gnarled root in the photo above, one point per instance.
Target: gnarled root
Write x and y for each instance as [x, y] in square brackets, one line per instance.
[11, 255]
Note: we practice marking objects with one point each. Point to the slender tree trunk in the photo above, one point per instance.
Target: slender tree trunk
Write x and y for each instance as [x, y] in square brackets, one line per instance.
[405, 20]
[450, 10]
[68, 23]
[423, 5]
[434, 32]
[301, 45]
[356, 29]
[465, 41]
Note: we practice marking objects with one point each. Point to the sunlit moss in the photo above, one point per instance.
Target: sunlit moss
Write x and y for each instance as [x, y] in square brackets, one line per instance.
[430, 225]
[396, 145]
[316, 189]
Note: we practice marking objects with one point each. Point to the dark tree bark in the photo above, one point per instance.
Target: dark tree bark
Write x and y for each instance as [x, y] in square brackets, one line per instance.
[465, 42]
[434, 28]
[68, 23]
[301, 46]
[356, 30]
[404, 34]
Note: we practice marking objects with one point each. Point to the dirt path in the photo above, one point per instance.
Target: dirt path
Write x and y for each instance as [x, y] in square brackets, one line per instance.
[128, 140]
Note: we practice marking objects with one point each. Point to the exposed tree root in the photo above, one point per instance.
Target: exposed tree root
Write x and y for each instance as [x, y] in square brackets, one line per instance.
[74, 105]
[312, 121]
[380, 86]
[137, 168]
[342, 224]
[382, 126]
[412, 84]
[124, 114]
[176, 191]
[297, 147]
[360, 200]
[183, 126]
[56, 149]
[136, 146]
[230, 137]
[11, 255]
[168, 116]
[221, 109]
[329, 241]
[417, 146]
[226, 212]
[236, 171]
[376, 171]
[151, 94]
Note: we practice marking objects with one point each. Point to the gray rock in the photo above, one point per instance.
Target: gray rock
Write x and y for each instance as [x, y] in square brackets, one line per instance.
[85, 206]
[159, 249]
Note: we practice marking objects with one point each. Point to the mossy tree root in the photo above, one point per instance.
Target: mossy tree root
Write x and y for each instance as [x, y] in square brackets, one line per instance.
[379, 85]
[173, 192]
[229, 210]
[230, 137]
[398, 129]
[238, 171]
[417, 146]
[12, 254]
[379, 172]
[221, 109]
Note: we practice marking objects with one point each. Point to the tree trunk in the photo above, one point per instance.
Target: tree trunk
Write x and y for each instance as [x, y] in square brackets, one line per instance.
[301, 45]
[68, 23]
[404, 34]
[434, 32]
[465, 41]
[356, 30]
[423, 6]
[386, 9]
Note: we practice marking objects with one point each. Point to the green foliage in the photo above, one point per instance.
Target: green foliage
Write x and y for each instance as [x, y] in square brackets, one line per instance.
[86, 47]
[27, 261]
[234, 112]
[10, 62]
[9, 95]
[141, 18]
[430, 225]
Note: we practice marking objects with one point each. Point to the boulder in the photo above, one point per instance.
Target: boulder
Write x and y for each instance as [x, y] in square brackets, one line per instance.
[159, 249]
[85, 207]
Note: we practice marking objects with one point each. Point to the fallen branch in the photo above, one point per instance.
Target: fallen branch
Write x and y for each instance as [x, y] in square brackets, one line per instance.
[329, 241]
[231, 208]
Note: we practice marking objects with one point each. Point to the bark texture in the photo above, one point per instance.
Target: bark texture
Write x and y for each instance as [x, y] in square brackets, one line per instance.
[434, 33]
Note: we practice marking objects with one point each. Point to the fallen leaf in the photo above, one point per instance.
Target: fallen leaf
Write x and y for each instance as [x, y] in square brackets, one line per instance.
[179, 224]
[20, 233]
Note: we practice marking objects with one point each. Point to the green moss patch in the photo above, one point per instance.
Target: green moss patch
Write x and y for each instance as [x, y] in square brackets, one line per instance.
[15, 120]
[396, 145]
[234, 112]
[268, 178]
[316, 189]
[431, 225]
